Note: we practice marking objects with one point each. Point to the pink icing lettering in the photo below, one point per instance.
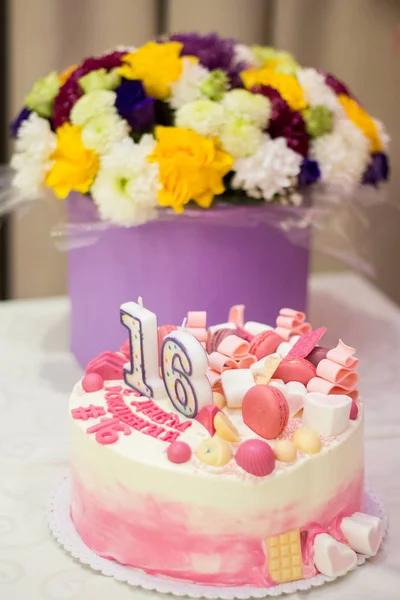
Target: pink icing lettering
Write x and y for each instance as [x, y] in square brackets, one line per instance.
[153, 430]
[169, 436]
[183, 426]
[113, 396]
[173, 420]
[84, 413]
[141, 406]
[107, 431]
[130, 392]
[161, 417]
[114, 388]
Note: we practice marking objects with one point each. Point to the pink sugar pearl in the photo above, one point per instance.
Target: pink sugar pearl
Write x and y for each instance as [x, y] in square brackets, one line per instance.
[92, 382]
[179, 452]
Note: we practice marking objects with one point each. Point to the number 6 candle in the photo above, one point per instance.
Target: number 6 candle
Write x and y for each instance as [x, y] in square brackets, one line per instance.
[184, 364]
[142, 374]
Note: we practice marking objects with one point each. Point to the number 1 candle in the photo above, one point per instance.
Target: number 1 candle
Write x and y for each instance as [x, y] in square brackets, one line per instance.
[142, 374]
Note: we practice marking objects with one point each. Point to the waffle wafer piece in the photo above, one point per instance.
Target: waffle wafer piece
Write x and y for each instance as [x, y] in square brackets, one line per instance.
[285, 561]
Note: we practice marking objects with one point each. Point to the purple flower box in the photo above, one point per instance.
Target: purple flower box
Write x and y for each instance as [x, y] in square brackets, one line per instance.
[198, 261]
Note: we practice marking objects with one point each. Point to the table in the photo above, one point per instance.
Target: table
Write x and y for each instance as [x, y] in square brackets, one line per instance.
[37, 373]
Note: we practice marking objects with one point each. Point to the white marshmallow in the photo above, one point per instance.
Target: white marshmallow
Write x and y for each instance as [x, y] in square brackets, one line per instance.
[236, 383]
[278, 384]
[328, 415]
[363, 532]
[332, 558]
[295, 394]
[255, 328]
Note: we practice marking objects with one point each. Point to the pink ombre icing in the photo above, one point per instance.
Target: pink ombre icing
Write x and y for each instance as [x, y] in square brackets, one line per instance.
[162, 538]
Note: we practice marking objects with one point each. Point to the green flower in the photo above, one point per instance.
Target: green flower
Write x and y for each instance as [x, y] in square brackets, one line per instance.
[100, 80]
[40, 98]
[93, 104]
[282, 62]
[215, 85]
[319, 120]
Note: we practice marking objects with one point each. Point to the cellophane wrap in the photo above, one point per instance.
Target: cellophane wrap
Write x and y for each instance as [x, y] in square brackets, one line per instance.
[340, 225]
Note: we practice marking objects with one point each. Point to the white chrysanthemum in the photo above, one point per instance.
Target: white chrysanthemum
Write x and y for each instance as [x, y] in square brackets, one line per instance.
[126, 187]
[93, 104]
[244, 54]
[239, 137]
[317, 92]
[102, 131]
[342, 155]
[31, 161]
[254, 108]
[204, 116]
[383, 134]
[271, 170]
[188, 87]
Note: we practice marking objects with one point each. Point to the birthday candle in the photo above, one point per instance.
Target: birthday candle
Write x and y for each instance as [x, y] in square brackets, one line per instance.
[142, 372]
[184, 364]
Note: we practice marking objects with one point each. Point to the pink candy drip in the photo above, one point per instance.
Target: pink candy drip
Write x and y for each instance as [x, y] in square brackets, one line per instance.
[167, 538]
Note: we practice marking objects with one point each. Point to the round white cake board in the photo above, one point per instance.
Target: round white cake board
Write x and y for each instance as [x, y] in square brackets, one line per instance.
[63, 529]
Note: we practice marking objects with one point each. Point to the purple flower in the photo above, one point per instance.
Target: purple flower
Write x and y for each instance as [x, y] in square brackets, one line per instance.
[16, 124]
[377, 170]
[71, 91]
[285, 122]
[134, 106]
[309, 172]
[213, 52]
[336, 85]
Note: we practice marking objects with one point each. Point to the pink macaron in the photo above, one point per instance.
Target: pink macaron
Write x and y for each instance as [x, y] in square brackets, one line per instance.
[266, 411]
[265, 343]
[295, 369]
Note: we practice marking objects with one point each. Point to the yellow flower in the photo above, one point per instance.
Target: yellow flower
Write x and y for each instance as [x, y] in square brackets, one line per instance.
[362, 120]
[74, 166]
[191, 167]
[66, 74]
[287, 85]
[157, 65]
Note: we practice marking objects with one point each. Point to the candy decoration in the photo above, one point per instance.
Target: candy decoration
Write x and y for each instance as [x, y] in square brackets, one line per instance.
[353, 411]
[225, 429]
[264, 369]
[265, 343]
[317, 354]
[363, 532]
[92, 382]
[291, 322]
[285, 561]
[216, 334]
[109, 365]
[332, 558]
[307, 440]
[306, 343]
[284, 348]
[234, 347]
[142, 373]
[220, 362]
[184, 365]
[196, 325]
[236, 315]
[285, 451]
[335, 373]
[206, 417]
[328, 415]
[214, 451]
[343, 355]
[254, 327]
[84, 413]
[295, 369]
[256, 457]
[179, 452]
[265, 411]
[236, 383]
[219, 400]
[295, 393]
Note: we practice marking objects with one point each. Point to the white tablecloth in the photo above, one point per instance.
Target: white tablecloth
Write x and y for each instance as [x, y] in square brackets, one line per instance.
[37, 373]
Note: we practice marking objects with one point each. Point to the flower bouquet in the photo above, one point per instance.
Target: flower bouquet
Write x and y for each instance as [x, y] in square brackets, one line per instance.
[185, 159]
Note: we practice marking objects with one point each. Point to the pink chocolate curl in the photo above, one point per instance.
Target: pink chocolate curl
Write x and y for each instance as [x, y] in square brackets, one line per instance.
[234, 347]
[317, 384]
[236, 315]
[333, 372]
[289, 312]
[247, 361]
[343, 355]
[196, 319]
[220, 362]
[284, 333]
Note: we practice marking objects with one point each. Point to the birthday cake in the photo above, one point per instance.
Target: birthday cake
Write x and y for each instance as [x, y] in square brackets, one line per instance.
[227, 456]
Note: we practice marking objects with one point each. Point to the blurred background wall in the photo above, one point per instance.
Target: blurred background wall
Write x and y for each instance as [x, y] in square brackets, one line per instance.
[355, 39]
